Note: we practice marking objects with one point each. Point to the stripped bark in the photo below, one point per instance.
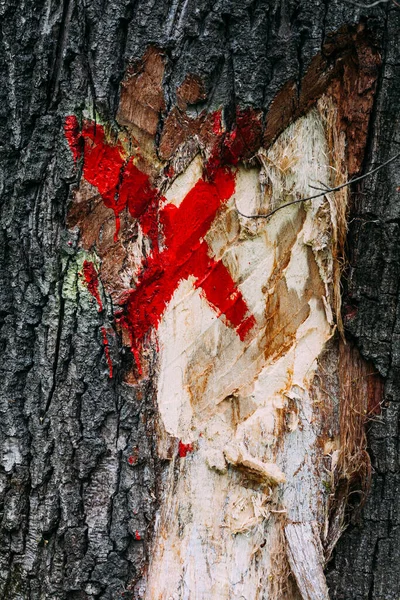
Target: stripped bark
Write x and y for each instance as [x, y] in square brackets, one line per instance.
[86, 456]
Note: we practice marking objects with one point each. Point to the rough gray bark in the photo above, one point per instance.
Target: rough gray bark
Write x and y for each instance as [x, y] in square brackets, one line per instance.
[366, 563]
[67, 430]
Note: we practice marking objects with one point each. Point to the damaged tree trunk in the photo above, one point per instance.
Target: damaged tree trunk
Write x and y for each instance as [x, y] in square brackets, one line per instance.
[199, 402]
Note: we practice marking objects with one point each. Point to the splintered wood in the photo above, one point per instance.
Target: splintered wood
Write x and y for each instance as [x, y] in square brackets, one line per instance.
[245, 406]
[305, 555]
[237, 320]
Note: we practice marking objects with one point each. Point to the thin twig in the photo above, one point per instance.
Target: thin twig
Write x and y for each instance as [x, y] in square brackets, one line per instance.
[328, 190]
[320, 189]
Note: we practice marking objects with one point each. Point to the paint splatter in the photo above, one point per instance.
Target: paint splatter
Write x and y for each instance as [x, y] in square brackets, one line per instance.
[73, 135]
[134, 457]
[184, 449]
[92, 282]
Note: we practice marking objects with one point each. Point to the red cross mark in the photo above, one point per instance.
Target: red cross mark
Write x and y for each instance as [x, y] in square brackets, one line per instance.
[185, 252]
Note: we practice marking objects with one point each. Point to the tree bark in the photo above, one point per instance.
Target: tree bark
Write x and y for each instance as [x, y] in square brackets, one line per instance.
[85, 460]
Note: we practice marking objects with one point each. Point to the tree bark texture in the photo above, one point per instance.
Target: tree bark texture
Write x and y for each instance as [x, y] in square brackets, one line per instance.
[81, 474]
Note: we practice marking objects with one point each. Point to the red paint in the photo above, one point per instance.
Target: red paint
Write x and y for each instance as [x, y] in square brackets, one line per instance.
[217, 123]
[92, 281]
[214, 161]
[72, 133]
[169, 171]
[133, 458]
[184, 449]
[107, 351]
[186, 254]
[137, 536]
[184, 251]
[245, 138]
[135, 351]
[107, 167]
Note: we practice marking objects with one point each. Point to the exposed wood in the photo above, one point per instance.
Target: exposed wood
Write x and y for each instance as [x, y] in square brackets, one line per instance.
[92, 463]
[306, 559]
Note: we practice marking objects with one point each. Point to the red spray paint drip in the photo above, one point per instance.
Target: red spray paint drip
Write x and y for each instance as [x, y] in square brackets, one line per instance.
[218, 130]
[120, 183]
[92, 281]
[107, 351]
[185, 253]
[184, 449]
[73, 135]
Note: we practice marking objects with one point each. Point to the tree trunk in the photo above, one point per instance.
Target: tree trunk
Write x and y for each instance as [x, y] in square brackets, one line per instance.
[190, 384]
